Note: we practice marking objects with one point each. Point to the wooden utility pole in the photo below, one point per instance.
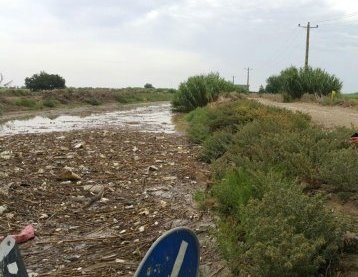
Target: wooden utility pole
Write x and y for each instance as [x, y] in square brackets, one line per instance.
[308, 27]
[248, 78]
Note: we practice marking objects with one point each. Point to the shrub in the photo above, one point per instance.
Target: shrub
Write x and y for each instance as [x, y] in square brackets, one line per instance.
[339, 168]
[49, 102]
[44, 81]
[216, 145]
[262, 89]
[286, 233]
[274, 84]
[199, 90]
[235, 189]
[293, 82]
[93, 101]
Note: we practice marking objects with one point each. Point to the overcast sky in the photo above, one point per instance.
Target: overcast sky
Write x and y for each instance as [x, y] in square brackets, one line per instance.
[120, 43]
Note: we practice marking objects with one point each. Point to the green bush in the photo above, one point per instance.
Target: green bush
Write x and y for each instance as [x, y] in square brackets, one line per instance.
[281, 233]
[93, 101]
[49, 102]
[293, 82]
[339, 168]
[235, 189]
[286, 233]
[216, 145]
[199, 90]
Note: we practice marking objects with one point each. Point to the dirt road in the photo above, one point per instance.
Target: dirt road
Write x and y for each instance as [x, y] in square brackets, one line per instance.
[327, 116]
[99, 198]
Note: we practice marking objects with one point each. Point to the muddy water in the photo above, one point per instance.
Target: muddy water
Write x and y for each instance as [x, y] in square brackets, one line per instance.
[151, 118]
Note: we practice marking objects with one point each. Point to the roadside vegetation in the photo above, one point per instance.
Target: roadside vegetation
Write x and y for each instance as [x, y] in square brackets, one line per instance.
[294, 82]
[25, 99]
[273, 172]
[200, 90]
[264, 162]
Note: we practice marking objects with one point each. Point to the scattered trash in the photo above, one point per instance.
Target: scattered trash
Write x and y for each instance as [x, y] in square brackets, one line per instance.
[145, 211]
[26, 234]
[170, 178]
[6, 155]
[3, 208]
[163, 204]
[68, 175]
[354, 139]
[78, 145]
[43, 216]
[94, 188]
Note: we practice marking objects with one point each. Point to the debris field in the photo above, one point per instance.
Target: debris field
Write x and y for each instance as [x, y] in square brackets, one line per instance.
[99, 198]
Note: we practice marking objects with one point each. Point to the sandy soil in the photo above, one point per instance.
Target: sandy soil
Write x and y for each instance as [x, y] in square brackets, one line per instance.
[99, 198]
[327, 116]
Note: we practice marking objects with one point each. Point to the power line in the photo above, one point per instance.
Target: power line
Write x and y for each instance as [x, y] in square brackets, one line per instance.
[340, 18]
[283, 49]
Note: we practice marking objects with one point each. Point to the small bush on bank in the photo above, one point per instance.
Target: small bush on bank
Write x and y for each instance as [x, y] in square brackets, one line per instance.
[216, 145]
[199, 90]
[49, 102]
[339, 168]
[235, 189]
[287, 233]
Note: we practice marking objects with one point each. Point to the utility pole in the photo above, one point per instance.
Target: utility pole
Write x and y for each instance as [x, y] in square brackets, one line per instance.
[308, 27]
[248, 78]
[233, 79]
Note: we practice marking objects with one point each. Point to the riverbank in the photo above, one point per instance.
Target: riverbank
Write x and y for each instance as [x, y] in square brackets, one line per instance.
[15, 101]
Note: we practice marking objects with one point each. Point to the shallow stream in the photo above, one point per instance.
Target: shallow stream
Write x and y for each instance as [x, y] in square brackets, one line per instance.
[151, 118]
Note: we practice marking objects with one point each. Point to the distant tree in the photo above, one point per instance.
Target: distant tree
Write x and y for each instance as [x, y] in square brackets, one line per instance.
[44, 81]
[148, 85]
[262, 89]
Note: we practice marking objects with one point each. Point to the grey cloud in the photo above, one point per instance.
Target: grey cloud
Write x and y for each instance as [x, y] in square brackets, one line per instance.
[222, 35]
